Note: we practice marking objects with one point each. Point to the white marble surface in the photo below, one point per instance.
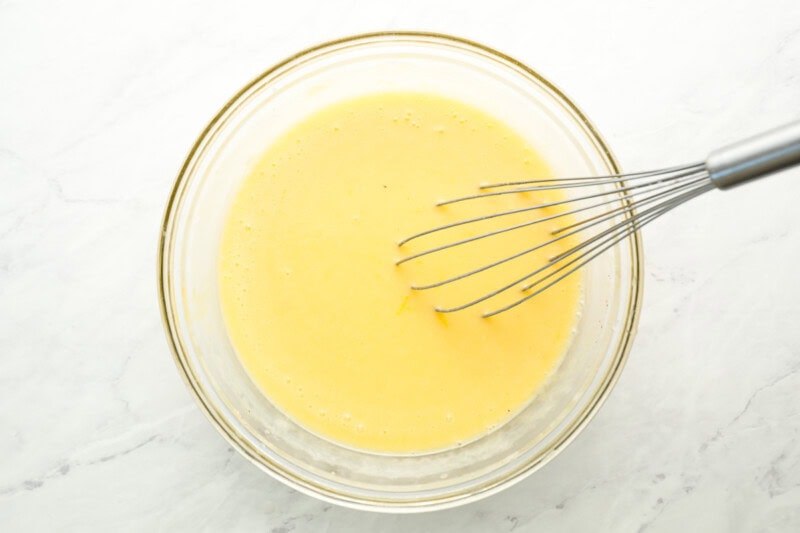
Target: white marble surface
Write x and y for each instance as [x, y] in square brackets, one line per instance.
[99, 103]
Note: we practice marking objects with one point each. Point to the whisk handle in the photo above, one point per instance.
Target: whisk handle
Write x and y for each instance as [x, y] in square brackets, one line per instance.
[757, 156]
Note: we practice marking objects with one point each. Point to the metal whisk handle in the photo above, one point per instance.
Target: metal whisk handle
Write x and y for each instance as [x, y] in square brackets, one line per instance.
[757, 156]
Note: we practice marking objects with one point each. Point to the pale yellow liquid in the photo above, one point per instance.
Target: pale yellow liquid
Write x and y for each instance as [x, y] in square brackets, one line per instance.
[325, 322]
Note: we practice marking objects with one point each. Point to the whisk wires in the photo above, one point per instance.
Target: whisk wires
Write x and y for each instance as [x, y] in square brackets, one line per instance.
[627, 203]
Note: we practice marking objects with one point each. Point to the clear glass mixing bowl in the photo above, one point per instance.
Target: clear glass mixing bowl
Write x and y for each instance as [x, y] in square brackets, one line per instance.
[188, 262]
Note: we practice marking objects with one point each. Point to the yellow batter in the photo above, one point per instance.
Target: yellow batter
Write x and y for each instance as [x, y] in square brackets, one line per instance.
[326, 323]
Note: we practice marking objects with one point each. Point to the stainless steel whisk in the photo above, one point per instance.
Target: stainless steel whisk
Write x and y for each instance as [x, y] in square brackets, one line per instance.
[640, 198]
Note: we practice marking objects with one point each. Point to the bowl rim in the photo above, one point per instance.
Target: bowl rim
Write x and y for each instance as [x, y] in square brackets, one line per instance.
[166, 302]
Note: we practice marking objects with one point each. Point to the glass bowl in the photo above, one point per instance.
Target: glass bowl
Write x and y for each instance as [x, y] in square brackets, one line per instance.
[189, 292]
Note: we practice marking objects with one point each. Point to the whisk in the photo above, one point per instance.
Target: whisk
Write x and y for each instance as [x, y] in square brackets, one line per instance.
[632, 201]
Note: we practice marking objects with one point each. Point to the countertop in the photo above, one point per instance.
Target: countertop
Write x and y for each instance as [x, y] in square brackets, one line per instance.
[99, 104]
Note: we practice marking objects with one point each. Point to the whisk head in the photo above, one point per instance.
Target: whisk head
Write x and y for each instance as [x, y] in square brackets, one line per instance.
[596, 222]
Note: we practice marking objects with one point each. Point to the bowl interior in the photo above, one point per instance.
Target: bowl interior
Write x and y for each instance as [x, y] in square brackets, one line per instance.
[211, 176]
